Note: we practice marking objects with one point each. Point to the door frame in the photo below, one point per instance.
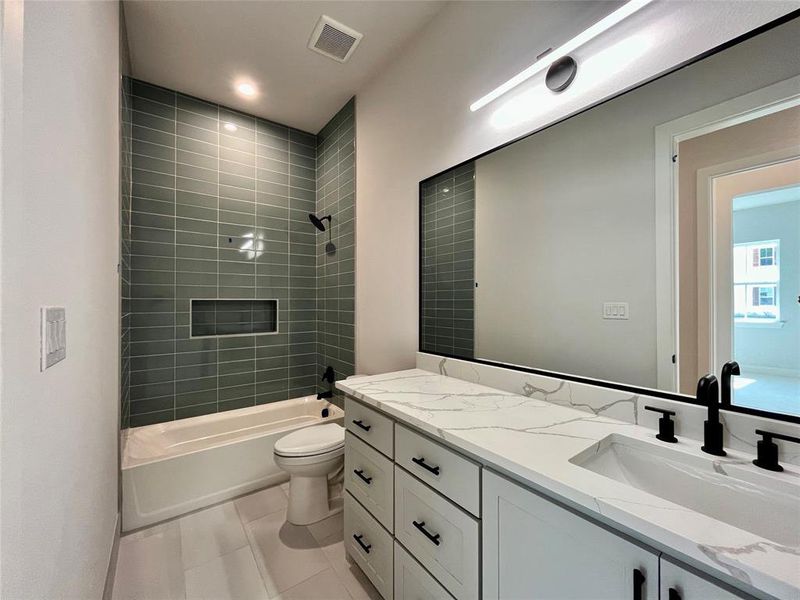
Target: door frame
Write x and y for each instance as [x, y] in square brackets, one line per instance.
[712, 276]
[759, 103]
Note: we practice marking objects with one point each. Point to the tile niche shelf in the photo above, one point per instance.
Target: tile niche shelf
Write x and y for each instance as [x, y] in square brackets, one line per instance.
[220, 318]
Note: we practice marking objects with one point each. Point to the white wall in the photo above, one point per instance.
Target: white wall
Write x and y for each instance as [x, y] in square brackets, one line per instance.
[59, 246]
[413, 121]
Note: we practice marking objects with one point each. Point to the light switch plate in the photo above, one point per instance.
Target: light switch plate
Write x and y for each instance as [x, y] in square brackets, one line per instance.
[616, 311]
[53, 335]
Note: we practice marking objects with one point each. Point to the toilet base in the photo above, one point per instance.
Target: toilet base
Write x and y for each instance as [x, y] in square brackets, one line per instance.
[309, 501]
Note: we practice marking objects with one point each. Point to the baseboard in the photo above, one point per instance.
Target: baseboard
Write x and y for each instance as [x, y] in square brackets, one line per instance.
[108, 589]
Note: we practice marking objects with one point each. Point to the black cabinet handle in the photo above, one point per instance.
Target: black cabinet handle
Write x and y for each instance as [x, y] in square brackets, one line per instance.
[360, 423]
[421, 462]
[364, 478]
[364, 546]
[638, 583]
[674, 594]
[434, 537]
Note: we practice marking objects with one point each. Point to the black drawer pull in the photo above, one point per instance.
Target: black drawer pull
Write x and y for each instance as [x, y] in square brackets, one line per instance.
[674, 594]
[360, 423]
[434, 537]
[421, 462]
[638, 582]
[364, 478]
[364, 546]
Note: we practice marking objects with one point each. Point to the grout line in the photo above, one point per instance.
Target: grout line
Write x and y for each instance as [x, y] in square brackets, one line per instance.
[328, 160]
[174, 263]
[232, 111]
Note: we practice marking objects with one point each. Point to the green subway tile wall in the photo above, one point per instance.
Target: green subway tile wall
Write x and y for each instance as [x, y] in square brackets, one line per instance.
[125, 182]
[220, 203]
[336, 262]
[448, 263]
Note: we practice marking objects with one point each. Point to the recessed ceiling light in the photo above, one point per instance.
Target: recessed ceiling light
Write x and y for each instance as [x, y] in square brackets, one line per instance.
[246, 89]
[230, 127]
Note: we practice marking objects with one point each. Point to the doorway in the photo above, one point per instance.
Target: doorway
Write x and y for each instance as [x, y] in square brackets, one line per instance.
[755, 286]
[731, 183]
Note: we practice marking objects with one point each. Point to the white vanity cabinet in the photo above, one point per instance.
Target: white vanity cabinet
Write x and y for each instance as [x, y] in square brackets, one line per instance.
[678, 583]
[533, 548]
[424, 521]
[409, 494]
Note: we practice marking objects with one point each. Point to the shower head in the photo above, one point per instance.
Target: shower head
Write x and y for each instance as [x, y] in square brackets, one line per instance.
[318, 223]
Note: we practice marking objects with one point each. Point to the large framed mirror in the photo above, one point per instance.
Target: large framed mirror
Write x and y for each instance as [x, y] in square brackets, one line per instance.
[639, 244]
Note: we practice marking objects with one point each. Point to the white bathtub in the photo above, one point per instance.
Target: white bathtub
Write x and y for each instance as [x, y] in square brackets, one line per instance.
[172, 468]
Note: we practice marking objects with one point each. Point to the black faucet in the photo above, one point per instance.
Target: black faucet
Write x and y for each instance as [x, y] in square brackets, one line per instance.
[728, 370]
[768, 450]
[708, 395]
[666, 426]
[330, 376]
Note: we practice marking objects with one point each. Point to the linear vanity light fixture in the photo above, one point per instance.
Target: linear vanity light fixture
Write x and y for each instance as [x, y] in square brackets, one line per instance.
[579, 40]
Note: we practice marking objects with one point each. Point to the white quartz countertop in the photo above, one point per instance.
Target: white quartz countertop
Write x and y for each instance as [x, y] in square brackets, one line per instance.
[534, 440]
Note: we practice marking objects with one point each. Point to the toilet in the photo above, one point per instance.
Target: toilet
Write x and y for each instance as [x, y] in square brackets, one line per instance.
[314, 458]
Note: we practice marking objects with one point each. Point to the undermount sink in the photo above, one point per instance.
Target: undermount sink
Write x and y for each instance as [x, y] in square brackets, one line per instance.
[766, 505]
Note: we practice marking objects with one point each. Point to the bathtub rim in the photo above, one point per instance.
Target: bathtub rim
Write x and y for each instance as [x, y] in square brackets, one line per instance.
[128, 463]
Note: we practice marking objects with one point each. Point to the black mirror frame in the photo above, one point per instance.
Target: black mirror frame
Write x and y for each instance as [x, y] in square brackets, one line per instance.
[576, 378]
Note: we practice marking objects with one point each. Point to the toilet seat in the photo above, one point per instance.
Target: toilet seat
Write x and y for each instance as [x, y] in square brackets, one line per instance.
[320, 441]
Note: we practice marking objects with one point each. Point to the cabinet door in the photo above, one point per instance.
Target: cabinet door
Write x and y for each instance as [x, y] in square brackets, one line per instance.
[534, 549]
[677, 583]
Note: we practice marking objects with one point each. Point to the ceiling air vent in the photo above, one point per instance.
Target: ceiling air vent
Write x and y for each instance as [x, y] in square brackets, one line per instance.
[333, 39]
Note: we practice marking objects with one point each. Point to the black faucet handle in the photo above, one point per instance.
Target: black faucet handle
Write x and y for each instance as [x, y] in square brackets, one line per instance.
[663, 411]
[768, 449]
[329, 375]
[666, 426]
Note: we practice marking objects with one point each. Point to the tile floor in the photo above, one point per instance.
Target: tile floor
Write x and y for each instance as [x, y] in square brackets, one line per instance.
[776, 393]
[240, 550]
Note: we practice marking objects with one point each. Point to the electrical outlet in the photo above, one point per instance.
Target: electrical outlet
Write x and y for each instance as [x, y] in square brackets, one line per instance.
[53, 335]
[616, 311]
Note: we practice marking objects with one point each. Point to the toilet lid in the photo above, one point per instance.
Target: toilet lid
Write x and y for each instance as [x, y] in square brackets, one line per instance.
[317, 439]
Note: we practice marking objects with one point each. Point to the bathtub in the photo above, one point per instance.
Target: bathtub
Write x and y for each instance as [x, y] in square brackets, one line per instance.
[172, 468]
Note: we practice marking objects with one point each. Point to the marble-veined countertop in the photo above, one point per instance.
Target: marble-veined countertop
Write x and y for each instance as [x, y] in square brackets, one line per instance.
[533, 441]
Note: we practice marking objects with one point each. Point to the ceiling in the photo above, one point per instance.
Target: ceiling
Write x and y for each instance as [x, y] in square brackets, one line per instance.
[778, 175]
[204, 48]
[759, 199]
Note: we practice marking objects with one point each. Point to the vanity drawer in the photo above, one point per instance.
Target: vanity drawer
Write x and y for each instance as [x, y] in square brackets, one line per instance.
[412, 582]
[369, 545]
[369, 477]
[370, 426]
[441, 536]
[454, 476]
